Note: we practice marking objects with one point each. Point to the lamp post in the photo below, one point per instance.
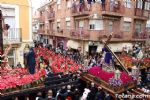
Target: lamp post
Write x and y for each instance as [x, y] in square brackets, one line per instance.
[1, 31]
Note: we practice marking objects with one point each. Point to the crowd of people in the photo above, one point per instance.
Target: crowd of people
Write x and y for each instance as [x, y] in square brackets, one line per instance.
[88, 61]
[138, 52]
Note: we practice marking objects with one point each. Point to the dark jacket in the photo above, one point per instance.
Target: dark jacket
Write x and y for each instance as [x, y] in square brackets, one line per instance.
[31, 62]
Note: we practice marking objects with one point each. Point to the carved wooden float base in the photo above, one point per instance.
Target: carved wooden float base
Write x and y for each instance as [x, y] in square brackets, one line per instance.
[113, 90]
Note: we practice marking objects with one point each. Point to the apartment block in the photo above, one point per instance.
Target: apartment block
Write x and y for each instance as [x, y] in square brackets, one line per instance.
[83, 24]
[18, 16]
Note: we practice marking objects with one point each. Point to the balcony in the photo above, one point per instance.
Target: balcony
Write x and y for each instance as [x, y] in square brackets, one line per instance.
[80, 10]
[51, 32]
[41, 19]
[14, 36]
[51, 16]
[140, 36]
[115, 9]
[116, 36]
[59, 32]
[103, 34]
[80, 34]
[41, 31]
[141, 14]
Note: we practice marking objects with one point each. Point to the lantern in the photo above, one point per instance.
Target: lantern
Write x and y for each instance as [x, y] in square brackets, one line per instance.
[117, 74]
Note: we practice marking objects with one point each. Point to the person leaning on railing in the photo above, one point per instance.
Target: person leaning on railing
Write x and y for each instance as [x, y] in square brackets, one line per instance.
[103, 4]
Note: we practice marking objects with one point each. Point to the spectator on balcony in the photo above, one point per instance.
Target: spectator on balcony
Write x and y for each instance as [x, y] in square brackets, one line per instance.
[81, 1]
[74, 9]
[112, 4]
[81, 5]
[103, 5]
[89, 3]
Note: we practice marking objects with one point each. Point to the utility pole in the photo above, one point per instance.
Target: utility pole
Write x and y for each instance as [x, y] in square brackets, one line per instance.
[1, 32]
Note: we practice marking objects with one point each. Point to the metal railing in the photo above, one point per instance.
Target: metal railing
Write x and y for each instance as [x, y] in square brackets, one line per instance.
[116, 34]
[14, 36]
[114, 6]
[140, 35]
[80, 33]
[41, 19]
[142, 13]
[51, 15]
[41, 31]
[79, 8]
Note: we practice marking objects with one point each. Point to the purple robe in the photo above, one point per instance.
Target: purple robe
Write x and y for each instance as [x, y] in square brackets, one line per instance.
[108, 56]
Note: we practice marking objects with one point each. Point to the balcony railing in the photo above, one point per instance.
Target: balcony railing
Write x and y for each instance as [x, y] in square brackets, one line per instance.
[51, 32]
[51, 15]
[41, 31]
[41, 19]
[142, 14]
[80, 33]
[114, 8]
[141, 35]
[116, 34]
[80, 9]
[14, 36]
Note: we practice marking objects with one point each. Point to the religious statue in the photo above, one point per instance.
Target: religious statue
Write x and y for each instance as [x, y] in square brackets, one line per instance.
[3, 58]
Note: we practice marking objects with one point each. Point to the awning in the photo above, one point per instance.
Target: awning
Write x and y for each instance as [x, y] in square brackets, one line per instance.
[99, 49]
[73, 44]
[117, 47]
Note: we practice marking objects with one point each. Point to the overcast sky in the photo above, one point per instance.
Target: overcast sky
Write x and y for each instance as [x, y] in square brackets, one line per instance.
[36, 3]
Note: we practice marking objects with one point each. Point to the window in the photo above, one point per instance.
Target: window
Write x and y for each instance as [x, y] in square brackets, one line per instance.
[110, 26]
[139, 4]
[58, 25]
[127, 26]
[138, 27]
[128, 3]
[81, 24]
[96, 24]
[47, 26]
[147, 6]
[92, 26]
[11, 57]
[68, 3]
[68, 24]
[58, 4]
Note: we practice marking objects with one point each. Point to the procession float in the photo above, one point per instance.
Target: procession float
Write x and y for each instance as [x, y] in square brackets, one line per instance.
[63, 70]
[19, 81]
[116, 79]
